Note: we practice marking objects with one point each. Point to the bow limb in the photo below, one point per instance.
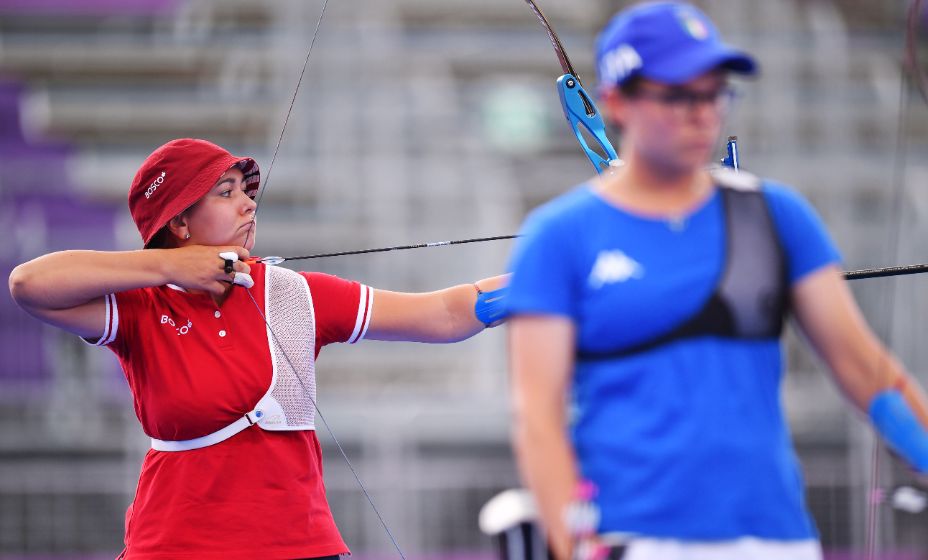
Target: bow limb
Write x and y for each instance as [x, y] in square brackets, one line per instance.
[577, 105]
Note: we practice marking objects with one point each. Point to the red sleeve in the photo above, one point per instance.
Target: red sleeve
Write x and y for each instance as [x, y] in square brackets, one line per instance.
[342, 308]
[121, 309]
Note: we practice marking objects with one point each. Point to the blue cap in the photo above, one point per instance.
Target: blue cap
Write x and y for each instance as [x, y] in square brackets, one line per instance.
[669, 42]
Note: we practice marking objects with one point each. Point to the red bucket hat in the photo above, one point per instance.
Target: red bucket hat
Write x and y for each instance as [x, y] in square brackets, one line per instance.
[178, 174]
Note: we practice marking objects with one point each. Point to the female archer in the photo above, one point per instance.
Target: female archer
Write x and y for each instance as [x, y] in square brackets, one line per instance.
[654, 296]
[219, 351]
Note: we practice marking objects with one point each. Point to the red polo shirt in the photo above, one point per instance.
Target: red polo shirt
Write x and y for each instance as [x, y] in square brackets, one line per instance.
[194, 368]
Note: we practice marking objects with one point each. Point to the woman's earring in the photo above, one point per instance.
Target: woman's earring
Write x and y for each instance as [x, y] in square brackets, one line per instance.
[187, 236]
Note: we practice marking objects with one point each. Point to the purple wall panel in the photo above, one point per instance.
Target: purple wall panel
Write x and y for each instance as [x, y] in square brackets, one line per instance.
[88, 7]
[43, 214]
[20, 344]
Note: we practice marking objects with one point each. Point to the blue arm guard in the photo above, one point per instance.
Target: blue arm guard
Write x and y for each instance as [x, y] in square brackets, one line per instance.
[896, 422]
[490, 306]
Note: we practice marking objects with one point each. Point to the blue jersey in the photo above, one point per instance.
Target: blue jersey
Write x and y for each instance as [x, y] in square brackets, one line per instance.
[687, 440]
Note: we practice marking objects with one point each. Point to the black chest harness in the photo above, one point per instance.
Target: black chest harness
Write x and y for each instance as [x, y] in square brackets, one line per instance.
[751, 297]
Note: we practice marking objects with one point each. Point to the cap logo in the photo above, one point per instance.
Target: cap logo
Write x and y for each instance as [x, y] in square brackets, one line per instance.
[618, 63]
[154, 185]
[693, 25]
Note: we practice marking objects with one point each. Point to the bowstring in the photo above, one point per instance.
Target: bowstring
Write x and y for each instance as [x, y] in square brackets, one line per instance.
[296, 91]
[328, 428]
[283, 129]
[306, 391]
[875, 494]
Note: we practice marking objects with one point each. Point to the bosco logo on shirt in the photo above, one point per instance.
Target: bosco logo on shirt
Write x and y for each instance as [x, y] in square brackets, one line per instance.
[183, 329]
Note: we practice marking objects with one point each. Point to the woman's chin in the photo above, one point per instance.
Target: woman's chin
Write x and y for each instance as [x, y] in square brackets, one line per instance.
[246, 239]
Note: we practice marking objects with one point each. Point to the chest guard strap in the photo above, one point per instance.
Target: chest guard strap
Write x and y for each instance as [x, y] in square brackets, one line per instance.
[289, 402]
[751, 297]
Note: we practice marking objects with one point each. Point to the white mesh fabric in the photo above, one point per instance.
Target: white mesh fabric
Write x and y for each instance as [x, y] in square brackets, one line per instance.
[291, 332]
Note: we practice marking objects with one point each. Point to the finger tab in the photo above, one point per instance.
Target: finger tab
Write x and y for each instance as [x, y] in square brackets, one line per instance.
[243, 279]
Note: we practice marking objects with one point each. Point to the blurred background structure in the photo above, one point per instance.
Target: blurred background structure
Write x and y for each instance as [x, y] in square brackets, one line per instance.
[417, 120]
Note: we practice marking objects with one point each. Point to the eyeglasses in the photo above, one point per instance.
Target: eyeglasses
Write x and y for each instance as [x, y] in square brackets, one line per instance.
[683, 101]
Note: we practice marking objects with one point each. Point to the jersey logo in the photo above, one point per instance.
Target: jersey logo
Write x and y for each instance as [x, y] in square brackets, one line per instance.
[614, 266]
[182, 329]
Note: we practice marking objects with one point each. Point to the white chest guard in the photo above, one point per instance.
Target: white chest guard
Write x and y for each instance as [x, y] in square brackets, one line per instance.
[289, 402]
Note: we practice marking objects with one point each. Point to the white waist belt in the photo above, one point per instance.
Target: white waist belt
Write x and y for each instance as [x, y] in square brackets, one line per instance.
[249, 419]
[267, 415]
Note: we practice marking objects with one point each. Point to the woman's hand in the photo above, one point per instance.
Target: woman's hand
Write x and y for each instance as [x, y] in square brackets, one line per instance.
[201, 268]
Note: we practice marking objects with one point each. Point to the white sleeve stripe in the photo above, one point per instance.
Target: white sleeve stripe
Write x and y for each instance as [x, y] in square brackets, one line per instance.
[115, 319]
[106, 321]
[112, 321]
[370, 309]
[103, 339]
[359, 324]
[359, 319]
